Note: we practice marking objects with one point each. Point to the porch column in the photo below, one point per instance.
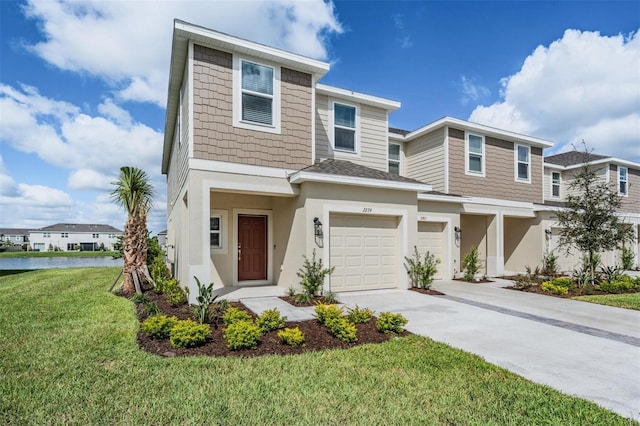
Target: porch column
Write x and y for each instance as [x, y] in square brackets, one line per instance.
[199, 253]
[495, 245]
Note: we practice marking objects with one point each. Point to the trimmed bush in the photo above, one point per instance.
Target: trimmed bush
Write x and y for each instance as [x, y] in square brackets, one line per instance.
[326, 312]
[270, 320]
[291, 336]
[233, 315]
[159, 326]
[242, 335]
[620, 285]
[359, 315]
[341, 329]
[389, 322]
[188, 334]
[550, 287]
[563, 282]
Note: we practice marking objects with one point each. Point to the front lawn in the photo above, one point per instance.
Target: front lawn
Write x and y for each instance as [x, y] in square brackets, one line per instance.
[68, 355]
[627, 301]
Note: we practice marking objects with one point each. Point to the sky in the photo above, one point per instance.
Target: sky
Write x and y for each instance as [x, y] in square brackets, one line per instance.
[83, 84]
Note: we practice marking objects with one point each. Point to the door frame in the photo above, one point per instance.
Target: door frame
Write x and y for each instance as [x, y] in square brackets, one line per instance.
[234, 246]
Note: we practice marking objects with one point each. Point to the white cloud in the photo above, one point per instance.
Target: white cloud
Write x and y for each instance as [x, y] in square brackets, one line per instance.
[90, 179]
[404, 39]
[582, 86]
[471, 91]
[104, 38]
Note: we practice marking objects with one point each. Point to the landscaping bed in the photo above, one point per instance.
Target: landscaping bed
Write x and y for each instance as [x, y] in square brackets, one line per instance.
[316, 336]
[428, 291]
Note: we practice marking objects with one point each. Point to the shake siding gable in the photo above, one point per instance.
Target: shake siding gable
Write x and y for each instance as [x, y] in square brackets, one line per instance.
[630, 203]
[425, 159]
[215, 138]
[179, 159]
[322, 127]
[498, 181]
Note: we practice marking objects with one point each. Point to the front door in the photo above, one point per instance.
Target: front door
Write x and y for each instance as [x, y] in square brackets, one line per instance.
[252, 248]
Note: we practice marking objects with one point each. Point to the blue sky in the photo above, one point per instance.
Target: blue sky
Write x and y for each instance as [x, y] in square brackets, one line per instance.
[83, 83]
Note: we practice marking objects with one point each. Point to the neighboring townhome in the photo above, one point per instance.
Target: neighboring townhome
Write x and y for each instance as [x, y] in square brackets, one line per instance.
[622, 175]
[74, 236]
[265, 164]
[17, 236]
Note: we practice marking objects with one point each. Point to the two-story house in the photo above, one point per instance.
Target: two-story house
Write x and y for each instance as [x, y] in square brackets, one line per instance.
[265, 164]
[72, 236]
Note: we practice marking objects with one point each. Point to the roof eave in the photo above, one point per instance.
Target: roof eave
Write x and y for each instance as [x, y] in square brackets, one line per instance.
[302, 176]
[349, 95]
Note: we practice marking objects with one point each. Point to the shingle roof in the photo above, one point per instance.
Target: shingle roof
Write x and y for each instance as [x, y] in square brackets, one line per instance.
[555, 203]
[79, 227]
[331, 166]
[14, 231]
[399, 131]
[573, 157]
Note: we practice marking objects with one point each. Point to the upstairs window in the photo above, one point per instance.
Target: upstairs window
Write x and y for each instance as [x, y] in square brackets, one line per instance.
[475, 155]
[623, 173]
[555, 184]
[394, 159]
[257, 93]
[523, 163]
[344, 127]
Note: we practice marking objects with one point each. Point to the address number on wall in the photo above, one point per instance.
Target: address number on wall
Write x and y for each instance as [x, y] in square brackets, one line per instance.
[367, 210]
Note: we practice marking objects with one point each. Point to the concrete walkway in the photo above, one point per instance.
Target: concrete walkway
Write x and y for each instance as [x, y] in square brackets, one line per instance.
[591, 351]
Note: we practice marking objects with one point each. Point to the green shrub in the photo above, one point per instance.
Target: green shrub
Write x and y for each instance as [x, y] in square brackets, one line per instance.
[234, 315]
[563, 282]
[550, 287]
[159, 270]
[139, 298]
[205, 299]
[217, 311]
[421, 271]
[175, 294]
[626, 258]
[359, 315]
[326, 312]
[188, 333]
[550, 264]
[291, 336]
[242, 335]
[312, 274]
[151, 308]
[341, 328]
[621, 285]
[471, 264]
[304, 298]
[610, 273]
[389, 322]
[331, 298]
[159, 326]
[270, 320]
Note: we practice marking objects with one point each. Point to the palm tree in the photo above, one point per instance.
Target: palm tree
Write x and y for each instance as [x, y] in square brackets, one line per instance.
[133, 192]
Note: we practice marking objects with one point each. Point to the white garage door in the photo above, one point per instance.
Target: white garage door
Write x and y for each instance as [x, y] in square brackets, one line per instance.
[364, 251]
[431, 239]
[566, 262]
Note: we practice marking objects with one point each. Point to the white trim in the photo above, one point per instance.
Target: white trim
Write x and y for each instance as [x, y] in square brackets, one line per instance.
[613, 160]
[237, 168]
[480, 128]
[234, 251]
[626, 181]
[341, 152]
[190, 138]
[468, 172]
[403, 215]
[517, 178]
[494, 202]
[443, 198]
[224, 231]
[448, 230]
[313, 119]
[302, 176]
[351, 96]
[276, 97]
[446, 159]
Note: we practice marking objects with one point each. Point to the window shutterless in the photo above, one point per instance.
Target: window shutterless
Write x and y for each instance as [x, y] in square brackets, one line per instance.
[257, 93]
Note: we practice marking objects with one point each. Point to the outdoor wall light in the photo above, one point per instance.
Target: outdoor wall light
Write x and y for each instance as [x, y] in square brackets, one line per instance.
[317, 227]
[547, 233]
[458, 232]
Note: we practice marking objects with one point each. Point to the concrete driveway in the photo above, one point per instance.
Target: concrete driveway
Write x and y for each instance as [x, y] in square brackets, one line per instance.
[591, 351]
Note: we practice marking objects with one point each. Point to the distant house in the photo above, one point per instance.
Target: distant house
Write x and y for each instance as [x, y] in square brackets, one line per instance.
[70, 236]
[14, 235]
[162, 239]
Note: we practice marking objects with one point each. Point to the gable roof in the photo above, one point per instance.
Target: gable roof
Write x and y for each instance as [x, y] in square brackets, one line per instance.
[573, 157]
[79, 227]
[348, 173]
[14, 231]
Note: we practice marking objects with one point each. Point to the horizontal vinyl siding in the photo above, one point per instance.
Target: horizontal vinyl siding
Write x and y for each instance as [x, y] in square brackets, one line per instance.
[499, 180]
[215, 137]
[179, 159]
[373, 135]
[425, 159]
[630, 203]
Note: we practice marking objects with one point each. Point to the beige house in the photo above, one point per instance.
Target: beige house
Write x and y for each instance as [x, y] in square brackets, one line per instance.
[73, 236]
[265, 164]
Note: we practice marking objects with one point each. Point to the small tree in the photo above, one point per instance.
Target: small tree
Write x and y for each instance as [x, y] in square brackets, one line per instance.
[471, 264]
[589, 220]
[422, 270]
[312, 276]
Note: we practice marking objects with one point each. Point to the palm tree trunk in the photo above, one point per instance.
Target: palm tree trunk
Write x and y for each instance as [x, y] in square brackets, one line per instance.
[129, 255]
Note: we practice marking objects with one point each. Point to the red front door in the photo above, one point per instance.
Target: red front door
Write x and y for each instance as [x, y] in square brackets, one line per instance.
[252, 248]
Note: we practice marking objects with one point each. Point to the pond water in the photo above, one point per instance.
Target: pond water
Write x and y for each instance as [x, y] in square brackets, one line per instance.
[57, 262]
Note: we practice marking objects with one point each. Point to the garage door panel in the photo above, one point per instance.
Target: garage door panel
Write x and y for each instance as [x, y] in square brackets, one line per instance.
[364, 252]
[566, 262]
[431, 239]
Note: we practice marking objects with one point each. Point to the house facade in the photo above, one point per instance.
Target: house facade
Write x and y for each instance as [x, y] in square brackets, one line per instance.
[265, 164]
[16, 236]
[71, 236]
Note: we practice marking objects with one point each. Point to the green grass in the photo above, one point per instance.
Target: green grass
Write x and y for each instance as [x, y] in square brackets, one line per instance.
[8, 254]
[68, 355]
[627, 301]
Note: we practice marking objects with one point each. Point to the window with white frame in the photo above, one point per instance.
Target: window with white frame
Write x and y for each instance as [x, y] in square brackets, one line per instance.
[623, 176]
[95, 235]
[475, 154]
[555, 184]
[46, 235]
[394, 159]
[344, 127]
[215, 231]
[257, 93]
[64, 235]
[523, 163]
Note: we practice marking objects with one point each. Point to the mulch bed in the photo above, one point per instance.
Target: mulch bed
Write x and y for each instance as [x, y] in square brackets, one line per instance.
[576, 291]
[316, 300]
[316, 335]
[427, 291]
[474, 281]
